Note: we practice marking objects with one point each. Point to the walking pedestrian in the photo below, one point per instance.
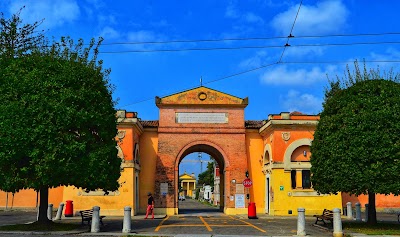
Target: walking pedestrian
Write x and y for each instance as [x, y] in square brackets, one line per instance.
[150, 206]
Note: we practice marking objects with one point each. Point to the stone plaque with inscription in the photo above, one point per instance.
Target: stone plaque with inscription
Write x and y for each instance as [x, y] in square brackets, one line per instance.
[182, 117]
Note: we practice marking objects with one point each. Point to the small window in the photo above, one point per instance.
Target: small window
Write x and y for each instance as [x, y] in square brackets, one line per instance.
[293, 174]
[137, 156]
[306, 179]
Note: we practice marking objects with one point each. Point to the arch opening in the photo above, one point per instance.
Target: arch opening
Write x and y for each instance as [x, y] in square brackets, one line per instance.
[200, 181]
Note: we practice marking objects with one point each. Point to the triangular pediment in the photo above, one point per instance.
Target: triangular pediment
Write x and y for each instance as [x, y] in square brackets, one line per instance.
[186, 177]
[202, 96]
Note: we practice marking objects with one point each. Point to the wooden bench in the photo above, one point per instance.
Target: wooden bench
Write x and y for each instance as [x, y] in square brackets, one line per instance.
[327, 215]
[87, 216]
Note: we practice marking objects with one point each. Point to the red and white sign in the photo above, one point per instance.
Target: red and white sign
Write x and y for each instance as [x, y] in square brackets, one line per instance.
[247, 183]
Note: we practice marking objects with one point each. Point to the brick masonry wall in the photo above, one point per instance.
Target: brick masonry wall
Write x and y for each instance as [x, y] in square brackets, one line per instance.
[225, 142]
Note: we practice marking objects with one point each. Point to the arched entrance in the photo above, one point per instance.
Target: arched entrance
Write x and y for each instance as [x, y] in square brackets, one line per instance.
[200, 120]
[217, 155]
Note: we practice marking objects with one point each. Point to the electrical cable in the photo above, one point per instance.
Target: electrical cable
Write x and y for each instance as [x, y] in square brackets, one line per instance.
[291, 31]
[249, 47]
[248, 39]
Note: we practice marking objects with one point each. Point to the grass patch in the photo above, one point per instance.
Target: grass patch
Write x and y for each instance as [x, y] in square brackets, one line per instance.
[377, 229]
[36, 226]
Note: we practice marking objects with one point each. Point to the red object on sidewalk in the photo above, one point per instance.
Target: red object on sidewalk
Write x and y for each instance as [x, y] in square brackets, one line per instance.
[252, 211]
[69, 209]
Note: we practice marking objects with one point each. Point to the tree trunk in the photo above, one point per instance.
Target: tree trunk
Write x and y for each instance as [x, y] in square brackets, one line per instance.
[7, 201]
[44, 202]
[371, 208]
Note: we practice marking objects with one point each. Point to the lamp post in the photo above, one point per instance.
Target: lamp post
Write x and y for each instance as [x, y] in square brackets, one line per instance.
[201, 162]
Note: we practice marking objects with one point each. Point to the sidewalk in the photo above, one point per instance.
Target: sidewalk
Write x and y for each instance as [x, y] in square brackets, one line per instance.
[184, 226]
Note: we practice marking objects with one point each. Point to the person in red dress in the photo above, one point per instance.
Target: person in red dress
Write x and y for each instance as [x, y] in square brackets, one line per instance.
[150, 206]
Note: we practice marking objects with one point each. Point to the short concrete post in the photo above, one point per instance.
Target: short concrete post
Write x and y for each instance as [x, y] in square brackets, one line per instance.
[95, 228]
[59, 211]
[301, 222]
[50, 211]
[337, 223]
[366, 212]
[349, 211]
[358, 211]
[126, 228]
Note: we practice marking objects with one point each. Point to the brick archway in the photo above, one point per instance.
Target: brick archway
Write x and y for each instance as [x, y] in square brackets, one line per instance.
[200, 120]
[215, 152]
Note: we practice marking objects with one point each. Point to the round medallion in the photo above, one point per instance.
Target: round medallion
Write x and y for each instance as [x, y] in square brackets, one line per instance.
[202, 96]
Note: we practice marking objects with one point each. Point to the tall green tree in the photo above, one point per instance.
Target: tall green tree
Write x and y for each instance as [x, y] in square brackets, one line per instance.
[356, 146]
[207, 177]
[57, 121]
[17, 39]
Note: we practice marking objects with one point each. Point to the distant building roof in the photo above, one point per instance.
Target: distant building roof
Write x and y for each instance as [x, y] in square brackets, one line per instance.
[296, 113]
[253, 124]
[149, 123]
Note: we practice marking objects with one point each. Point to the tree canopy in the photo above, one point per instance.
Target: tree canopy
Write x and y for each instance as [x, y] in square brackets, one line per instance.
[207, 177]
[57, 121]
[17, 39]
[356, 146]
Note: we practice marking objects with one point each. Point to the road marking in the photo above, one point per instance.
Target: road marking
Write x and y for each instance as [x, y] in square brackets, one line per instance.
[180, 225]
[159, 225]
[205, 223]
[255, 227]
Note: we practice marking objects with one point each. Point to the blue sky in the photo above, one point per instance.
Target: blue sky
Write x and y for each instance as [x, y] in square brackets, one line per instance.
[142, 71]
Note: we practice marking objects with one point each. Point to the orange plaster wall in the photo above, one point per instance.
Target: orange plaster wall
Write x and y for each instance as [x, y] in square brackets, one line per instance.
[127, 144]
[279, 145]
[254, 144]
[26, 198]
[148, 158]
[381, 201]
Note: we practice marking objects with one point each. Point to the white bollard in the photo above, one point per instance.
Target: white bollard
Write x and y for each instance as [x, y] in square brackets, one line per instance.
[337, 223]
[358, 211]
[301, 222]
[95, 228]
[127, 220]
[366, 212]
[349, 211]
[59, 211]
[50, 211]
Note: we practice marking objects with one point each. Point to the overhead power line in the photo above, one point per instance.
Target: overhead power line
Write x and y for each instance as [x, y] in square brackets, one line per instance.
[291, 31]
[339, 62]
[265, 66]
[248, 47]
[191, 49]
[212, 81]
[250, 38]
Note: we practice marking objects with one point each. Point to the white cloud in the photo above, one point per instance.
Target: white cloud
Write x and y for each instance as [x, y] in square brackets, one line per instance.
[252, 18]
[247, 17]
[161, 23]
[390, 54]
[97, 3]
[107, 19]
[305, 103]
[141, 36]
[109, 33]
[255, 61]
[325, 17]
[55, 12]
[231, 12]
[301, 52]
[281, 75]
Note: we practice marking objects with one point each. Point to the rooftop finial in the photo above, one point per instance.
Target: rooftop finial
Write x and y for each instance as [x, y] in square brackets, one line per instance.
[201, 81]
